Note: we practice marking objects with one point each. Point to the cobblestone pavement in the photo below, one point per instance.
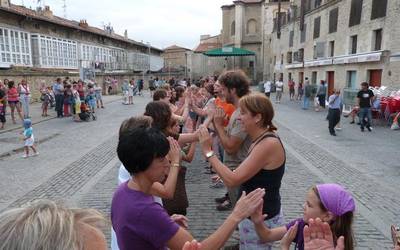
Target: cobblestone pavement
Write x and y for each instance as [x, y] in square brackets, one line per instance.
[76, 149]
[83, 171]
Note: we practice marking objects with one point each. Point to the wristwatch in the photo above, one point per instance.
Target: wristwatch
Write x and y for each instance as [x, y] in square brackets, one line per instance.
[209, 154]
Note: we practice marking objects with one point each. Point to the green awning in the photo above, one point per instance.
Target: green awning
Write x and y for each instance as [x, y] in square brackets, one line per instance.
[229, 51]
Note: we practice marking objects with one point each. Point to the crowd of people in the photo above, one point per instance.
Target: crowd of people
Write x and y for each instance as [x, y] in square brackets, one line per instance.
[318, 95]
[236, 134]
[69, 98]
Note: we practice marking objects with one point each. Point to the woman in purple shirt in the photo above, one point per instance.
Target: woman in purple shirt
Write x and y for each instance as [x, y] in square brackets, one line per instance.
[141, 223]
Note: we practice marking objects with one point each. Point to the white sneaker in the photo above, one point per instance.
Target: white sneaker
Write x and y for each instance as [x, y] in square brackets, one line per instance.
[36, 154]
[339, 128]
[25, 156]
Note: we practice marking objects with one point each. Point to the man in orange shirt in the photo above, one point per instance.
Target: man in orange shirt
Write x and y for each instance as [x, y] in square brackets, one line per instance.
[221, 103]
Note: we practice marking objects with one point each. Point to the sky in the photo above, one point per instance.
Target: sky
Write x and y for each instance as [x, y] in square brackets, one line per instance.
[162, 23]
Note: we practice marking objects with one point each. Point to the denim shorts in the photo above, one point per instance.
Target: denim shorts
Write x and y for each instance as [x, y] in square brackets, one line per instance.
[249, 239]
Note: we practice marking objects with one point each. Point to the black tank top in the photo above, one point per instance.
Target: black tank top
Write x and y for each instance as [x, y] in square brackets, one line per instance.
[270, 180]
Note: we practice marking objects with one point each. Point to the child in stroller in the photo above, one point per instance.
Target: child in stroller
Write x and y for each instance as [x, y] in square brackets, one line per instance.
[86, 113]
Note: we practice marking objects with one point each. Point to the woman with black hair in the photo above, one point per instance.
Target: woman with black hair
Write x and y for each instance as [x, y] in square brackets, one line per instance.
[140, 222]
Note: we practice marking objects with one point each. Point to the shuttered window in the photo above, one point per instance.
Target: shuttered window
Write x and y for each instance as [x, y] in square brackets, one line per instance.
[333, 20]
[303, 34]
[355, 12]
[378, 39]
[301, 55]
[378, 9]
[317, 26]
[291, 37]
[353, 44]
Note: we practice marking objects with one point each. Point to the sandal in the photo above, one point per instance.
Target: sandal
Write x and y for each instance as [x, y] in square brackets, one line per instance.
[395, 235]
[225, 206]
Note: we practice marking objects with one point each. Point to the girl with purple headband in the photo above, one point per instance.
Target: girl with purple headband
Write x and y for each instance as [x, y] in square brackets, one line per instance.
[329, 202]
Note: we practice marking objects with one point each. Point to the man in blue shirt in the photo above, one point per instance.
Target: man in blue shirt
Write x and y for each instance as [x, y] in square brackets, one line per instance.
[58, 90]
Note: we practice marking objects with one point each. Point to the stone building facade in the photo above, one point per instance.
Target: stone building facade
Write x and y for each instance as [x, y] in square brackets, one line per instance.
[39, 46]
[202, 65]
[175, 57]
[242, 27]
[342, 42]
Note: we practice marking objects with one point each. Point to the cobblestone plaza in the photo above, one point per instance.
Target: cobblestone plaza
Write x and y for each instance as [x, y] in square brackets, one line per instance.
[78, 165]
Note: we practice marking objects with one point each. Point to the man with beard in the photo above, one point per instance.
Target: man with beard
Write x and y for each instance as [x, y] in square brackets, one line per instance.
[236, 142]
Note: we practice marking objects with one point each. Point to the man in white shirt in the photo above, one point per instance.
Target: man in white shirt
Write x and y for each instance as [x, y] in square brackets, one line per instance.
[267, 88]
[279, 90]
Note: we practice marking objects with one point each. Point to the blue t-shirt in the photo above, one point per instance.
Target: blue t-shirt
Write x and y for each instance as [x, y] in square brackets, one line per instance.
[139, 222]
[299, 239]
[28, 132]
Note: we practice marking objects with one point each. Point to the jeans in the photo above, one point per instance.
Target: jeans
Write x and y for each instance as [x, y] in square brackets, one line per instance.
[306, 102]
[321, 100]
[365, 113]
[24, 99]
[59, 105]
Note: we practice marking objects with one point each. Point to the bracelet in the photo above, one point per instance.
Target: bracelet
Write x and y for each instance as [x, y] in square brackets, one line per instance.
[176, 165]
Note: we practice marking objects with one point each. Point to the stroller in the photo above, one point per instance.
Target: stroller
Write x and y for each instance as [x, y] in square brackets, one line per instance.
[86, 114]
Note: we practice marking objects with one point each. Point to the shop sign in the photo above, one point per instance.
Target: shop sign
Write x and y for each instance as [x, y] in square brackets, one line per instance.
[370, 57]
[294, 66]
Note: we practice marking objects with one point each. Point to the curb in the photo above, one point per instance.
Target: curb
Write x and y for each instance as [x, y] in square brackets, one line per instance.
[20, 149]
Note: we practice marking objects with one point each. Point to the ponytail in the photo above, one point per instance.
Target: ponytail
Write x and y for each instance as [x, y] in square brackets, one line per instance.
[342, 226]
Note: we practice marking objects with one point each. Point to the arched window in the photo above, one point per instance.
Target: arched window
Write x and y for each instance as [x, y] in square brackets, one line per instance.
[251, 27]
[233, 27]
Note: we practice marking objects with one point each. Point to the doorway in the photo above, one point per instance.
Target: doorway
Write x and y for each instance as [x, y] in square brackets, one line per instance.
[331, 82]
[301, 77]
[375, 77]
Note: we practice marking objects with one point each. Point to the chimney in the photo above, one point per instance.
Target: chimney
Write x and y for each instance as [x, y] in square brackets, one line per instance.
[47, 12]
[126, 34]
[5, 3]
[83, 23]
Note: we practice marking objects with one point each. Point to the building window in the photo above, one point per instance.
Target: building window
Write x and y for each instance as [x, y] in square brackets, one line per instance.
[58, 53]
[303, 34]
[317, 3]
[317, 24]
[377, 39]
[15, 47]
[251, 64]
[353, 44]
[314, 77]
[289, 57]
[301, 55]
[233, 27]
[351, 79]
[291, 37]
[274, 60]
[315, 52]
[378, 9]
[333, 20]
[281, 59]
[332, 48]
[355, 12]
[251, 26]
[296, 56]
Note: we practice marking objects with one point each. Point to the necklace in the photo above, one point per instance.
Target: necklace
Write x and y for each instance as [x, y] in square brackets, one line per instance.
[263, 133]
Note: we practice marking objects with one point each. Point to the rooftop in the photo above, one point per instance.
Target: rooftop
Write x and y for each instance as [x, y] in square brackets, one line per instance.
[49, 17]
